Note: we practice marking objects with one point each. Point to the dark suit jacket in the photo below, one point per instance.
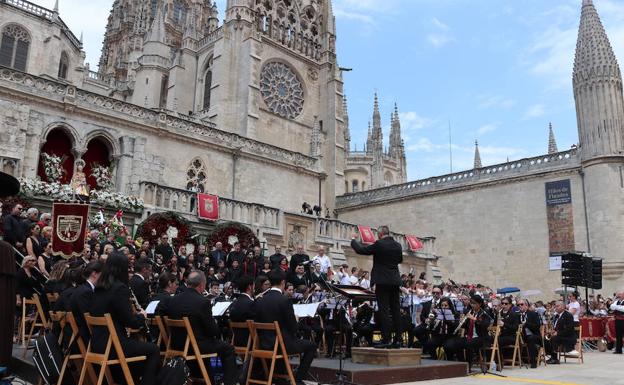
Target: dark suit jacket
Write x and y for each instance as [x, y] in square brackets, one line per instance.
[387, 255]
[298, 259]
[565, 325]
[275, 260]
[13, 230]
[296, 281]
[199, 310]
[164, 299]
[165, 250]
[241, 310]
[533, 323]
[275, 306]
[140, 288]
[511, 322]
[116, 302]
[216, 256]
[79, 304]
[426, 309]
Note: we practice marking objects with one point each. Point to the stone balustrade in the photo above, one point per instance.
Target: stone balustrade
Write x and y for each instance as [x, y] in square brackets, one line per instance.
[523, 167]
[210, 38]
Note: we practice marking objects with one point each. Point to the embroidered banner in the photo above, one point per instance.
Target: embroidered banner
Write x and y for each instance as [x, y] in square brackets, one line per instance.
[69, 222]
[366, 234]
[208, 207]
[413, 242]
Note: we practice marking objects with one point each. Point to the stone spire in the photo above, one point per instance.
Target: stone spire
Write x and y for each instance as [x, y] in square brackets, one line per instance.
[377, 133]
[369, 139]
[597, 84]
[345, 119]
[552, 144]
[477, 156]
[56, 7]
[157, 30]
[396, 143]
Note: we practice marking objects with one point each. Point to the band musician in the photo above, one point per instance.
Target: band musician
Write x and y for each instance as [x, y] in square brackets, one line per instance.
[563, 334]
[475, 327]
[441, 323]
[275, 306]
[531, 322]
[618, 310]
[385, 277]
[242, 309]
[509, 322]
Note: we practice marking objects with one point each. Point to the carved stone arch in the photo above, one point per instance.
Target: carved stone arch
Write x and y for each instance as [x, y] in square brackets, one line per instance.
[108, 139]
[196, 175]
[78, 143]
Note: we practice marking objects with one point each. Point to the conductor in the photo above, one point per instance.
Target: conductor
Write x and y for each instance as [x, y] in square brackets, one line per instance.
[387, 254]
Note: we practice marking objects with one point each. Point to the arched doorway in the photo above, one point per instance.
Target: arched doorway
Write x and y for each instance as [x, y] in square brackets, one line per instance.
[97, 153]
[58, 143]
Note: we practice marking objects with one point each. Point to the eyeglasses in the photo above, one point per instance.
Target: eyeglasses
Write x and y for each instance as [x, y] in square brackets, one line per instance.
[504, 303]
[522, 304]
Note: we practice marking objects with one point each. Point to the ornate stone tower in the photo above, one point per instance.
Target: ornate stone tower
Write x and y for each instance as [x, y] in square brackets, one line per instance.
[597, 85]
[397, 146]
[376, 148]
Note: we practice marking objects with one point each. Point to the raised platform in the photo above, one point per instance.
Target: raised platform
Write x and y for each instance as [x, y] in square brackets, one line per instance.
[324, 370]
[386, 357]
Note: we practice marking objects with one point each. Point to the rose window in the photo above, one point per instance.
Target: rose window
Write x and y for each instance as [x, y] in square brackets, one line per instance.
[281, 90]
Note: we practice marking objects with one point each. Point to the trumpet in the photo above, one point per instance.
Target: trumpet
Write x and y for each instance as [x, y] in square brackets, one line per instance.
[462, 321]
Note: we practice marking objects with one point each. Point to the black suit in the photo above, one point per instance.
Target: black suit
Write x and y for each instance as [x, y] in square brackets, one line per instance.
[216, 256]
[165, 250]
[198, 309]
[566, 336]
[79, 304]
[275, 306]
[275, 260]
[508, 332]
[241, 310]
[296, 281]
[141, 289]
[531, 333]
[163, 299]
[298, 259]
[387, 255]
[115, 301]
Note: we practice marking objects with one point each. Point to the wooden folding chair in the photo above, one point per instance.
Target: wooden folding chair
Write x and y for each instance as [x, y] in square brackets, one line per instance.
[58, 318]
[541, 352]
[242, 350]
[516, 357]
[40, 319]
[52, 298]
[104, 359]
[185, 325]
[277, 353]
[163, 339]
[76, 358]
[495, 355]
[578, 347]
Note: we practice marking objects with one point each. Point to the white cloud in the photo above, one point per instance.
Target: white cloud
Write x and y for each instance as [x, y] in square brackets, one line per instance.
[495, 101]
[357, 16]
[410, 120]
[438, 39]
[535, 111]
[484, 129]
[436, 22]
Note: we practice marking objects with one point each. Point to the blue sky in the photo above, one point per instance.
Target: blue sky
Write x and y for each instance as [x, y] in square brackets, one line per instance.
[497, 70]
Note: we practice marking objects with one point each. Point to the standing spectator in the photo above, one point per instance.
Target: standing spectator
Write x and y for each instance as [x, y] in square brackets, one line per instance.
[146, 247]
[164, 248]
[343, 275]
[276, 258]
[130, 244]
[33, 248]
[44, 261]
[353, 280]
[32, 216]
[257, 254]
[46, 236]
[44, 220]
[200, 255]
[364, 280]
[216, 255]
[298, 258]
[94, 237]
[323, 260]
[13, 230]
[237, 254]
[250, 267]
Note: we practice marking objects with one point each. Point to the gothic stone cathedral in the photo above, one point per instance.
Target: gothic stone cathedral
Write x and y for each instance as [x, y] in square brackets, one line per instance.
[253, 109]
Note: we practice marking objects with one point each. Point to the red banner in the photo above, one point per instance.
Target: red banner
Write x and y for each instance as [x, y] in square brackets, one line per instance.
[413, 242]
[69, 228]
[207, 207]
[366, 234]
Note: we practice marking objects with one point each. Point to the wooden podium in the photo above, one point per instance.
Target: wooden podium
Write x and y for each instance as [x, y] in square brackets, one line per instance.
[386, 357]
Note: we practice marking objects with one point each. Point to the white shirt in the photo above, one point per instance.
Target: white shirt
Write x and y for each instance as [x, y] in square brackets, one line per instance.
[324, 261]
[365, 283]
[353, 280]
[345, 278]
[577, 306]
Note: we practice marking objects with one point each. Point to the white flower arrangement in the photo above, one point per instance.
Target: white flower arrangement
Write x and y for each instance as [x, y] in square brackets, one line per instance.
[64, 192]
[103, 176]
[53, 166]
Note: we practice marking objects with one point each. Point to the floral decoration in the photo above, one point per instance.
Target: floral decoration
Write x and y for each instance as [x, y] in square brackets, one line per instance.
[103, 176]
[53, 166]
[157, 224]
[231, 230]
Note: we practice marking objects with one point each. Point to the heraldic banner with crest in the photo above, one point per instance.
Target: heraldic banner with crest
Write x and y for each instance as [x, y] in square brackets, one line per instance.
[366, 234]
[70, 222]
[208, 207]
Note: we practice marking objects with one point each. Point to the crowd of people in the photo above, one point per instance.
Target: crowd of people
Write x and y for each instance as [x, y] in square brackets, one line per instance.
[449, 321]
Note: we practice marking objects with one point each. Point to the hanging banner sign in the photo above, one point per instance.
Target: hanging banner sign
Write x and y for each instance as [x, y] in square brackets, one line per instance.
[413, 242]
[208, 207]
[366, 234]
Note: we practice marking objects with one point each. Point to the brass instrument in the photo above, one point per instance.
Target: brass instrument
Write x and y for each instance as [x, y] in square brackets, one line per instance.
[462, 321]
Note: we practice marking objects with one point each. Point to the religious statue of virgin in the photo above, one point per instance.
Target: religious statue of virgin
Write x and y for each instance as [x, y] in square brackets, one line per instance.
[79, 179]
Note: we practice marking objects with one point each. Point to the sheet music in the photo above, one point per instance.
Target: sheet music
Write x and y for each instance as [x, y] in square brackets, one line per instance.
[444, 314]
[306, 310]
[151, 308]
[219, 308]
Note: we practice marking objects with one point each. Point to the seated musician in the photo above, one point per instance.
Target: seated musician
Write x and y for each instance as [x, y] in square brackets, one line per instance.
[139, 283]
[420, 331]
[333, 315]
[81, 297]
[363, 326]
[274, 306]
[242, 309]
[72, 279]
[475, 326]
[563, 334]
[508, 321]
[112, 296]
[299, 277]
[531, 323]
[167, 288]
[192, 304]
[441, 326]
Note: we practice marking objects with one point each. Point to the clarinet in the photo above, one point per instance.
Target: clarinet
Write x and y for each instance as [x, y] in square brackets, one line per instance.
[138, 309]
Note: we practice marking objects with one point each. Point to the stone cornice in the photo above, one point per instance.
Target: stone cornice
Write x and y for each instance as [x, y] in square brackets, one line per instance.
[565, 162]
[183, 128]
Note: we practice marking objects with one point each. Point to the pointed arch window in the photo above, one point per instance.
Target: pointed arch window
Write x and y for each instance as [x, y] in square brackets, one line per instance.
[354, 186]
[14, 47]
[63, 66]
[196, 176]
[207, 89]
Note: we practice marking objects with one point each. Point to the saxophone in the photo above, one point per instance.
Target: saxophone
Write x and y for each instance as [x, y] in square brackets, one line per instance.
[462, 321]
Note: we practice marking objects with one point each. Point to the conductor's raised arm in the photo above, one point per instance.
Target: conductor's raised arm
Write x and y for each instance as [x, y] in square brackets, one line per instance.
[361, 249]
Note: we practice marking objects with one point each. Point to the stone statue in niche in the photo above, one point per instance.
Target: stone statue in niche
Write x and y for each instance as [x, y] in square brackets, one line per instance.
[79, 179]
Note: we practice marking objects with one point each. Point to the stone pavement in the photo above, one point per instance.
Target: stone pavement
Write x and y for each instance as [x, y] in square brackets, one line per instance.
[598, 369]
